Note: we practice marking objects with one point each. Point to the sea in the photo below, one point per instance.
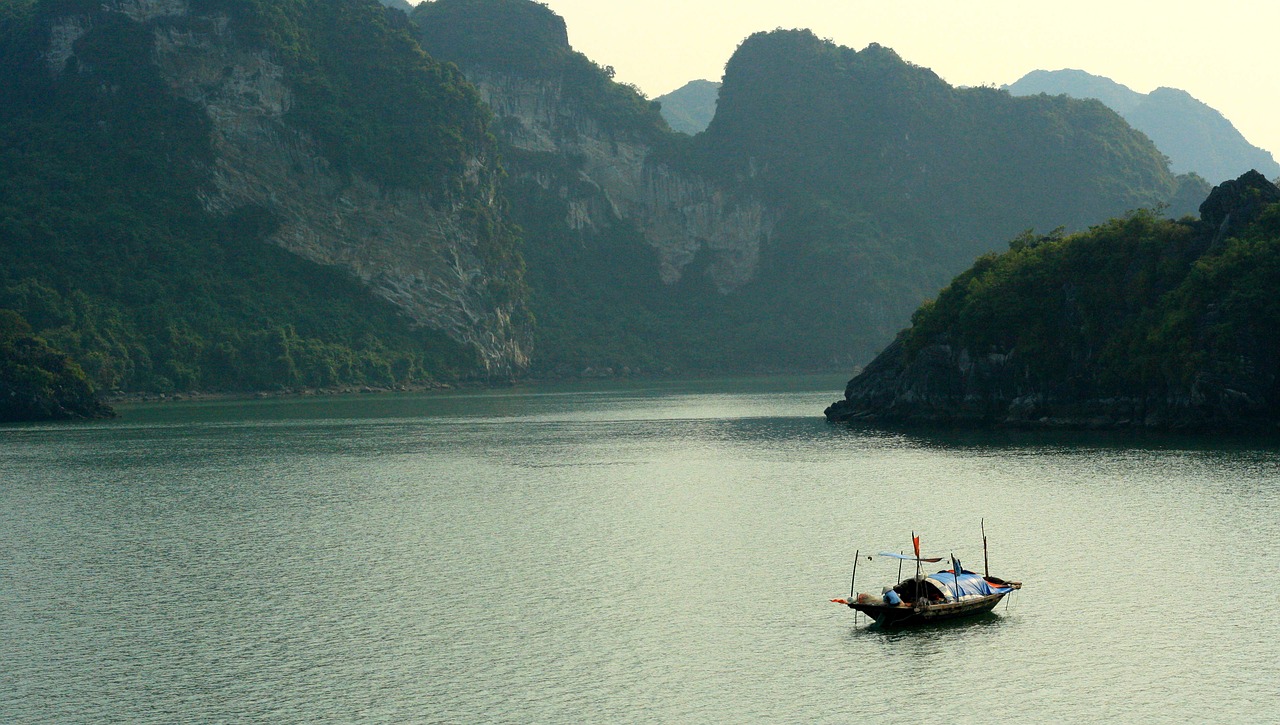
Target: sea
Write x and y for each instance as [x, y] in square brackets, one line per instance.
[621, 552]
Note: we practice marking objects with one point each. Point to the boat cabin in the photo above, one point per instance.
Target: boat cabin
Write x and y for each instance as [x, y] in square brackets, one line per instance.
[912, 589]
[945, 586]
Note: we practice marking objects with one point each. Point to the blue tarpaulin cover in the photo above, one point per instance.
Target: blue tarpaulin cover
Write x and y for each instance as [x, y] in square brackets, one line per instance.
[969, 584]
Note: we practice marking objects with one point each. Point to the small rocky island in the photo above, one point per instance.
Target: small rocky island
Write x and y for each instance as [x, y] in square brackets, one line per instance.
[38, 382]
[1138, 323]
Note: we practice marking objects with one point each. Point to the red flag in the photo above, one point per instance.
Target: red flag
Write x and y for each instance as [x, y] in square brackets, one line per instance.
[915, 541]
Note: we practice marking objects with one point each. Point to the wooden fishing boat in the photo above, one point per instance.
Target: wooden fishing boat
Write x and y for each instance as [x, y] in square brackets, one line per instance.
[927, 598]
[931, 599]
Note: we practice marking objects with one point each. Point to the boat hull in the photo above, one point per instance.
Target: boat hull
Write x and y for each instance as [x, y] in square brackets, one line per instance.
[905, 616]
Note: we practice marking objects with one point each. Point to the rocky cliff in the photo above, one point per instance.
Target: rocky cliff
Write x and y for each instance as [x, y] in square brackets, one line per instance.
[419, 249]
[621, 177]
[634, 255]
[832, 192]
[950, 385]
[1136, 324]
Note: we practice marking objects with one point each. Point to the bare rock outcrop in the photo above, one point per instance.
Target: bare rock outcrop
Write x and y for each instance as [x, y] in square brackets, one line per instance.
[416, 250]
[682, 215]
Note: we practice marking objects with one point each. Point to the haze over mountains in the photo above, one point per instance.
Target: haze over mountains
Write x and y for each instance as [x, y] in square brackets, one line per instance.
[1195, 137]
[690, 108]
[826, 172]
[293, 193]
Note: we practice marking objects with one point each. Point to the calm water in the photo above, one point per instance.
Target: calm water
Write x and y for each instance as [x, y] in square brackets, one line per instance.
[634, 553]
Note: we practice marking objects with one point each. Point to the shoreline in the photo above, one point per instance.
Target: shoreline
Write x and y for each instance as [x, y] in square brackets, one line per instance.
[208, 396]
[133, 398]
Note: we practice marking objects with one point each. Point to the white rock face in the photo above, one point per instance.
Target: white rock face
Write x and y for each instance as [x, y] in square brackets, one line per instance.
[419, 253]
[143, 10]
[62, 39]
[681, 215]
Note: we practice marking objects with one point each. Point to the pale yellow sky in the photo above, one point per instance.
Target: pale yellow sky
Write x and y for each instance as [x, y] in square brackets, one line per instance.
[1224, 53]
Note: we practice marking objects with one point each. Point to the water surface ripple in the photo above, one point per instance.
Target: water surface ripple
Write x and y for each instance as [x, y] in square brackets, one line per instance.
[617, 553]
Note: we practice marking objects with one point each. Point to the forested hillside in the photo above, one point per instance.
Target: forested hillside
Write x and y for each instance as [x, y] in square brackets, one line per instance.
[38, 382]
[803, 119]
[270, 194]
[139, 236]
[1138, 322]
[887, 181]
[870, 182]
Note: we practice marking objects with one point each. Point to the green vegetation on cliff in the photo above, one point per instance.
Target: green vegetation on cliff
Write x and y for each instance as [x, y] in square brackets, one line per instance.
[111, 256]
[1135, 302]
[38, 382]
[1081, 304]
[878, 181]
[1174, 319]
[888, 181]
[366, 91]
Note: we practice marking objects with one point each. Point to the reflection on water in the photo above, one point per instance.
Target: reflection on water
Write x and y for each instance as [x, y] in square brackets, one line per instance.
[648, 552]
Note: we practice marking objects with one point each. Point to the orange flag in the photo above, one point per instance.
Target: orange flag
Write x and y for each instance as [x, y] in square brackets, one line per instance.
[915, 541]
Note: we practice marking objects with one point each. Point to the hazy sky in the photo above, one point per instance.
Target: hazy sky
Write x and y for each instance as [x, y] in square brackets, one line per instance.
[1224, 53]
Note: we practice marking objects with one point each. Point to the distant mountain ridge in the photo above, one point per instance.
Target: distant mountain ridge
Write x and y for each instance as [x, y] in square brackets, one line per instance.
[1195, 137]
[832, 192]
[274, 194]
[690, 108]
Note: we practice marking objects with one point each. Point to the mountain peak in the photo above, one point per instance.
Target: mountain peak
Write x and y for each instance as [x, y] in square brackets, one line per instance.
[1077, 84]
[1196, 137]
[512, 35]
[690, 108]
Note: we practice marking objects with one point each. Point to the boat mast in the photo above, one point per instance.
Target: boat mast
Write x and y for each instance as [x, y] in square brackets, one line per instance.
[853, 596]
[986, 570]
[922, 599]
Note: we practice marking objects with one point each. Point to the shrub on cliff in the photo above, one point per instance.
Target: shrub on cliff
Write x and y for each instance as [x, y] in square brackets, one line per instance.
[38, 382]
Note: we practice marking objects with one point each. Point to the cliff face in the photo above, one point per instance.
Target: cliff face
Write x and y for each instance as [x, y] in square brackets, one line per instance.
[618, 177]
[1138, 323]
[943, 384]
[833, 191]
[419, 250]
[639, 259]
